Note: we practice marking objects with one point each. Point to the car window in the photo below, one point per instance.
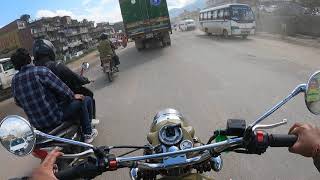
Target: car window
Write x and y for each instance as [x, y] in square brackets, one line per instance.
[7, 65]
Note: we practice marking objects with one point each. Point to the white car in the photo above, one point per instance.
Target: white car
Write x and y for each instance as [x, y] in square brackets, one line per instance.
[18, 144]
[7, 71]
[187, 25]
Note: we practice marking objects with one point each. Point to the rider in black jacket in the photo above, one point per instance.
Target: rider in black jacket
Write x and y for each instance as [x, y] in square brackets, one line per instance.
[44, 55]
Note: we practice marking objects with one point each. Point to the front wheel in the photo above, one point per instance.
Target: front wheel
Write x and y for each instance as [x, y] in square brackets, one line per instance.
[244, 36]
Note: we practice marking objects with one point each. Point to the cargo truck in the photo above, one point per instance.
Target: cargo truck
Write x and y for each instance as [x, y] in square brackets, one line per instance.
[146, 21]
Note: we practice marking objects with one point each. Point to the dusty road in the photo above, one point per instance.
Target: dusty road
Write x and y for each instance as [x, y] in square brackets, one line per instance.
[209, 80]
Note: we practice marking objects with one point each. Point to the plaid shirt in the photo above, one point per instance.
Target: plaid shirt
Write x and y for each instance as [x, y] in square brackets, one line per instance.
[41, 94]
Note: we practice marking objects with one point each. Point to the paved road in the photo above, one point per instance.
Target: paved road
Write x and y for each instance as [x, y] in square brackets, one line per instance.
[209, 80]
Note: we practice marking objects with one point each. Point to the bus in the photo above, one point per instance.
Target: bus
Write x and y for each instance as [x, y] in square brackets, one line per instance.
[228, 20]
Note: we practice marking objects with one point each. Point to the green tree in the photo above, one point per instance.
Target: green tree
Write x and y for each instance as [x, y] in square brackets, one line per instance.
[25, 17]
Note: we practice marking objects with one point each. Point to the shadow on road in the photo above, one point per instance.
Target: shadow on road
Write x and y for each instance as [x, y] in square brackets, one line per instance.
[130, 58]
[233, 39]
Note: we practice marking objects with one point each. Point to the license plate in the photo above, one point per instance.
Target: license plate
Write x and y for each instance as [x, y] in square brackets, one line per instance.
[150, 35]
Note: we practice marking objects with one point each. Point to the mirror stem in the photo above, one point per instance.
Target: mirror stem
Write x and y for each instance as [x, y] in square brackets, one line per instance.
[299, 89]
[64, 140]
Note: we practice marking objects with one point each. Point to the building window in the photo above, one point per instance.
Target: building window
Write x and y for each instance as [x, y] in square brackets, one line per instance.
[21, 24]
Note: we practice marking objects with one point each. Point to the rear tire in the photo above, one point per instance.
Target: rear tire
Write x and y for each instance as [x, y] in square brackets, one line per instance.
[225, 33]
[244, 36]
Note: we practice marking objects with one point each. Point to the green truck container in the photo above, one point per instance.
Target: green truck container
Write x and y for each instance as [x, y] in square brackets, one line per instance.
[146, 21]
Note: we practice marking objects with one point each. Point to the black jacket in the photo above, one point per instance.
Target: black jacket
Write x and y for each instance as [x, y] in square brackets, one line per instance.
[71, 79]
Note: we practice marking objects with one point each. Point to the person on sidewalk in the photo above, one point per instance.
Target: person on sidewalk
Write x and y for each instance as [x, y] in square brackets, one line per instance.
[45, 99]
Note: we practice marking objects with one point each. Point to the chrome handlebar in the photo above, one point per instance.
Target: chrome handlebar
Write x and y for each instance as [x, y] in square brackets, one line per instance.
[170, 159]
[78, 155]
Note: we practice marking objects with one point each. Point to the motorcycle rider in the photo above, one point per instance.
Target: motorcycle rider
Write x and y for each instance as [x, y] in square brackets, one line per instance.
[106, 48]
[44, 55]
[45, 99]
[308, 143]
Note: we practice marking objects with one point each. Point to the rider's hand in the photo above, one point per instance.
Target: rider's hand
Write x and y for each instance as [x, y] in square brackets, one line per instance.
[45, 171]
[308, 142]
[79, 97]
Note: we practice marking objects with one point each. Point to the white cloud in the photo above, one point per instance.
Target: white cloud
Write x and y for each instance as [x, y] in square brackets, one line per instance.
[104, 2]
[86, 2]
[178, 3]
[97, 13]
[103, 11]
[48, 13]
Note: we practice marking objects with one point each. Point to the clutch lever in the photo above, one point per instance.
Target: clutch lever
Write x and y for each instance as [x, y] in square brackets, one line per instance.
[270, 126]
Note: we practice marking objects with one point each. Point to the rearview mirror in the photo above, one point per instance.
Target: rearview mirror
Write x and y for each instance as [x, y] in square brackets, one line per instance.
[17, 135]
[312, 94]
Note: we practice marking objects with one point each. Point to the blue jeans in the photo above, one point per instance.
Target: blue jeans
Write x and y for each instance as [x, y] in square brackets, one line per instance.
[80, 109]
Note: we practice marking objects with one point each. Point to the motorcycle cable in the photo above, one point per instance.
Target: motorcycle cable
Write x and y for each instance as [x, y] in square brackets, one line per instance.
[216, 134]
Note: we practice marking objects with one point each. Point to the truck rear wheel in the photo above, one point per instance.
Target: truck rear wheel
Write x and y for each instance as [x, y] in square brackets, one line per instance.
[139, 45]
[166, 40]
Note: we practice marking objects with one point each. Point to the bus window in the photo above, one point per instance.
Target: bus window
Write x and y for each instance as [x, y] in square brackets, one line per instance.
[209, 15]
[220, 14]
[215, 14]
[205, 15]
[201, 17]
[241, 13]
[227, 13]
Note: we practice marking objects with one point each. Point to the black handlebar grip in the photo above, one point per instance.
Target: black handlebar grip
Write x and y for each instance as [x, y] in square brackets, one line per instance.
[87, 170]
[282, 140]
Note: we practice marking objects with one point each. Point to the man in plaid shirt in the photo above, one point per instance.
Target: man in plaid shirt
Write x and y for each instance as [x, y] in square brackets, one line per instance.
[45, 99]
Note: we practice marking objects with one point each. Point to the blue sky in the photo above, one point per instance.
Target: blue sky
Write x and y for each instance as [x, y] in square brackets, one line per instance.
[96, 10]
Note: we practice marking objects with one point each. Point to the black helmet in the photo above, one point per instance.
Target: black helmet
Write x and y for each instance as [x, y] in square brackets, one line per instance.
[43, 48]
[104, 36]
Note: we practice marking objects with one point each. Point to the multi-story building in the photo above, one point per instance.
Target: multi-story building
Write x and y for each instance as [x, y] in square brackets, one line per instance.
[15, 35]
[69, 36]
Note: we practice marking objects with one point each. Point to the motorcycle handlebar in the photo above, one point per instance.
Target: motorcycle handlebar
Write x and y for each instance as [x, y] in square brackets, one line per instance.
[87, 170]
[282, 140]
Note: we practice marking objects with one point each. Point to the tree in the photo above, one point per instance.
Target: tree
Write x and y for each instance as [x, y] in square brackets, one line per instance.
[25, 17]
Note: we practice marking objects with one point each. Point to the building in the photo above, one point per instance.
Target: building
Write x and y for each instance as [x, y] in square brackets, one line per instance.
[69, 36]
[15, 35]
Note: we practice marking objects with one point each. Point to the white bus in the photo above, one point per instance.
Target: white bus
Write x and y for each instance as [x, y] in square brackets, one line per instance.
[228, 20]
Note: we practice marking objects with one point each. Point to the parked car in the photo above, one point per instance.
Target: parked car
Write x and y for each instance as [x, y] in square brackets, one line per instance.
[18, 144]
[7, 71]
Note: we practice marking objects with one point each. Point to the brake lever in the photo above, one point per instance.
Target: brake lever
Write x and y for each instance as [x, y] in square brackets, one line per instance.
[270, 126]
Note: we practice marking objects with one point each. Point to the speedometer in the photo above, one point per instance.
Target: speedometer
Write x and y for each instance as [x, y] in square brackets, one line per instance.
[170, 135]
[186, 144]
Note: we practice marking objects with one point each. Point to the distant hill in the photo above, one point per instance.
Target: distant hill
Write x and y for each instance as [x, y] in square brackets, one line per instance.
[191, 7]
